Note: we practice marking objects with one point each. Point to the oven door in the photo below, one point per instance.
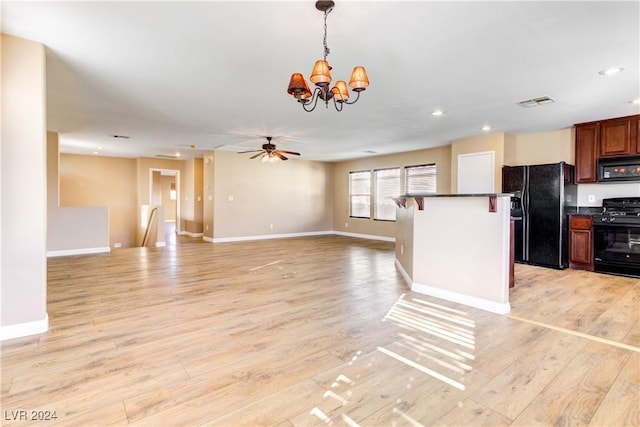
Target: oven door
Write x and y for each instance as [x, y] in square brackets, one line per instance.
[616, 248]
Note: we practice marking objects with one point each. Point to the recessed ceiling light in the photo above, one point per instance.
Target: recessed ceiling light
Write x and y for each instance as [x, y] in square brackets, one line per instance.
[635, 101]
[611, 71]
[437, 113]
[178, 154]
[486, 128]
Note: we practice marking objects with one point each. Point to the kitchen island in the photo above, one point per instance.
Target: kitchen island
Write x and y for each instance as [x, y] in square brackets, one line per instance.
[456, 247]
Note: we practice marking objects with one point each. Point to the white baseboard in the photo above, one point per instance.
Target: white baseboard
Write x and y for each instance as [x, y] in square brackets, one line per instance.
[81, 251]
[483, 304]
[404, 273]
[24, 329]
[190, 234]
[269, 236]
[365, 236]
[207, 239]
[304, 234]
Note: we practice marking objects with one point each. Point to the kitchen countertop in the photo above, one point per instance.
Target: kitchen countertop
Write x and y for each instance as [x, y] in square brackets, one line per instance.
[459, 195]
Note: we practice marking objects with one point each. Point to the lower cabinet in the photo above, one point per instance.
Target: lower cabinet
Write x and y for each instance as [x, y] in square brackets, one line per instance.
[581, 242]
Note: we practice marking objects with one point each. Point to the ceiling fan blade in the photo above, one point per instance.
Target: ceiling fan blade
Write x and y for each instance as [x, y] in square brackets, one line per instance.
[256, 155]
[277, 154]
[289, 152]
[250, 151]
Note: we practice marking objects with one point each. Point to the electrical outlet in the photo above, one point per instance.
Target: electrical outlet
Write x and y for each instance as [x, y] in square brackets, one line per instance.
[346, 225]
[591, 198]
[270, 226]
[117, 245]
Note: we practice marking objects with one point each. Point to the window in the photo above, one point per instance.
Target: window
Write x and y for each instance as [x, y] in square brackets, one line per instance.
[360, 194]
[387, 183]
[420, 179]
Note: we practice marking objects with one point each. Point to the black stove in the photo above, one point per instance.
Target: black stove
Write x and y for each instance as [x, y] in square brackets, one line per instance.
[616, 232]
[619, 211]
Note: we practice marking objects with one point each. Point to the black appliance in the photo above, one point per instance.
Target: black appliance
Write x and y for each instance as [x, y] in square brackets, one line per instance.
[616, 237]
[619, 169]
[541, 196]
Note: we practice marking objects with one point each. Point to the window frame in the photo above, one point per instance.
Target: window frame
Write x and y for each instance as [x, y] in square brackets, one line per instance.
[352, 195]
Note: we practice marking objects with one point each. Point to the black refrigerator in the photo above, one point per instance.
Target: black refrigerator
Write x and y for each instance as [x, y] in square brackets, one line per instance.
[543, 195]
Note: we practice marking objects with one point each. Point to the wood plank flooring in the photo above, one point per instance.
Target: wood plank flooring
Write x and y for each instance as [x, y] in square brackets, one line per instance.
[317, 331]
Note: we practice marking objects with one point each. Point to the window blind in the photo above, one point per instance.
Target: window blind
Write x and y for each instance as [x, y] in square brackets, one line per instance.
[420, 179]
[360, 194]
[387, 184]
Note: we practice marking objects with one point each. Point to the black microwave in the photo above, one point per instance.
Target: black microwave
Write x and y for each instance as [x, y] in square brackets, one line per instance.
[619, 169]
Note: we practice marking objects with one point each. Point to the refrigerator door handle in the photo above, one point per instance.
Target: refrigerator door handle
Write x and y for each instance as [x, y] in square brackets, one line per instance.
[525, 215]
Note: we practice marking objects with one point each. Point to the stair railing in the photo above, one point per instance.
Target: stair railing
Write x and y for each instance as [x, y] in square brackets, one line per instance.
[152, 216]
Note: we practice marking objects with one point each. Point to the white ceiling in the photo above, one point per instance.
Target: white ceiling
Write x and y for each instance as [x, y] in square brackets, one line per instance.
[194, 76]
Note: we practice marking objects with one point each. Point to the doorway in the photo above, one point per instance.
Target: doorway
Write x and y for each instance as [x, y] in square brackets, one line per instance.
[164, 190]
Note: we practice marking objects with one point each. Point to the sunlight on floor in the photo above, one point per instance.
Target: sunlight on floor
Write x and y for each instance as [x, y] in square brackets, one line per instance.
[432, 342]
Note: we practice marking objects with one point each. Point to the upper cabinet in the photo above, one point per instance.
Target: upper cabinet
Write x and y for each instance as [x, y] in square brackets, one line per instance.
[605, 138]
[637, 126]
[587, 137]
[618, 136]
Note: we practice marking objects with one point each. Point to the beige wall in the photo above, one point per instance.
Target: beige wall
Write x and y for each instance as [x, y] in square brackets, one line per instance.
[559, 145]
[169, 205]
[192, 203]
[478, 144]
[294, 196]
[71, 230]
[545, 147]
[144, 168]
[102, 181]
[144, 165]
[208, 192]
[441, 156]
[23, 152]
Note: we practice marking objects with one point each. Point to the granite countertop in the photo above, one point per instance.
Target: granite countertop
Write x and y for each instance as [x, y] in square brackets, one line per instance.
[458, 195]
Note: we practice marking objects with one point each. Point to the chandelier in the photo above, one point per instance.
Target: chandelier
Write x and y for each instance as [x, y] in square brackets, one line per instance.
[321, 77]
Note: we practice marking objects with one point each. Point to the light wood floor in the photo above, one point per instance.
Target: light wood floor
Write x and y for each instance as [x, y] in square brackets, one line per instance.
[318, 331]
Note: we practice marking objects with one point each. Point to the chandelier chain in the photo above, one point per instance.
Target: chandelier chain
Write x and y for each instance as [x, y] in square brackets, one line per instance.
[324, 40]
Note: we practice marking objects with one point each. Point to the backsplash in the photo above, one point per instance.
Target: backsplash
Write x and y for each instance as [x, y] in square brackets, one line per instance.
[605, 191]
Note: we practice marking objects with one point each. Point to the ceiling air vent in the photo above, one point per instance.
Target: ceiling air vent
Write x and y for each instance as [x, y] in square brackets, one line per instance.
[166, 156]
[536, 101]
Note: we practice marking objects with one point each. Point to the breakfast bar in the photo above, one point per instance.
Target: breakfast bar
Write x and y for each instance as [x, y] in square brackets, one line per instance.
[456, 247]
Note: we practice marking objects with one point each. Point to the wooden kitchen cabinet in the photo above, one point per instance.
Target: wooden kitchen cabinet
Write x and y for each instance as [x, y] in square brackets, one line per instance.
[618, 136]
[637, 125]
[581, 242]
[587, 147]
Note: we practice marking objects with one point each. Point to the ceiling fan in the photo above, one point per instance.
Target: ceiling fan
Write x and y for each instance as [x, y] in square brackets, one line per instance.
[270, 153]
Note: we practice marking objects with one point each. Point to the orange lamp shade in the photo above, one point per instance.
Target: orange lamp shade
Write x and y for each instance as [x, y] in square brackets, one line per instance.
[359, 80]
[320, 74]
[297, 85]
[340, 91]
[304, 95]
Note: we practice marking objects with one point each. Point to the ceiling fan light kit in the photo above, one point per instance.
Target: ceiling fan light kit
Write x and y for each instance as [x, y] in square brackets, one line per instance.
[321, 77]
[269, 153]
